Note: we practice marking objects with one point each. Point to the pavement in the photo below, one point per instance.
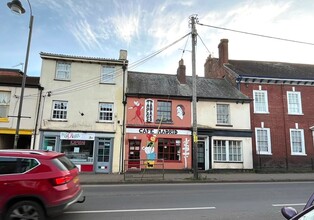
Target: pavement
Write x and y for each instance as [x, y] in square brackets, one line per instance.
[93, 178]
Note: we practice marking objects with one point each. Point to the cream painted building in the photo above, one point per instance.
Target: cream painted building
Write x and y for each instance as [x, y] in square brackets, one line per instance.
[223, 123]
[82, 110]
[10, 96]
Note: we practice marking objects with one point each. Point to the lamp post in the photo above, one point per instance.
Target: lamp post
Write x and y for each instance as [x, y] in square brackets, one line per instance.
[16, 7]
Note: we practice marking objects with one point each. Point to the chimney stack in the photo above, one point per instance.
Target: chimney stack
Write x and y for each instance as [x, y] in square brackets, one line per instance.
[181, 72]
[223, 51]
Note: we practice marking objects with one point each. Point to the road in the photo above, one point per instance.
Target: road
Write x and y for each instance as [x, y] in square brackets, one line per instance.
[214, 201]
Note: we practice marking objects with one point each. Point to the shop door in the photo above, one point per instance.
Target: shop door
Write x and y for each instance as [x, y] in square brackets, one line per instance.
[134, 154]
[201, 155]
[103, 163]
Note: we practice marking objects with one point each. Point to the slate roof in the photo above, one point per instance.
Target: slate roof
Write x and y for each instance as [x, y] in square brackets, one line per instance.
[264, 69]
[164, 85]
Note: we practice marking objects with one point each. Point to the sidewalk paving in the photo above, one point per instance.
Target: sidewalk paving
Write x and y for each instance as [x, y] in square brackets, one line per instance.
[92, 178]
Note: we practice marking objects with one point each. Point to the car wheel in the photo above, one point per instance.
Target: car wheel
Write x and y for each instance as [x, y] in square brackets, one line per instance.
[25, 210]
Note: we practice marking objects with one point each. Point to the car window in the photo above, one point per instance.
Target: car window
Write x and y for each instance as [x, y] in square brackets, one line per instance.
[63, 163]
[11, 165]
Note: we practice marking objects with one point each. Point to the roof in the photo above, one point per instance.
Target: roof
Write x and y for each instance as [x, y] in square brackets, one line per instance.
[53, 56]
[265, 69]
[16, 81]
[165, 85]
[10, 72]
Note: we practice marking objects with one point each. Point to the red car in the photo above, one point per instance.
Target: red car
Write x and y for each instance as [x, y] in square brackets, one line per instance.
[35, 184]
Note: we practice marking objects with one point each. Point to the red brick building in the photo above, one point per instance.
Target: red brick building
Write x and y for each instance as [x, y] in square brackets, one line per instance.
[282, 111]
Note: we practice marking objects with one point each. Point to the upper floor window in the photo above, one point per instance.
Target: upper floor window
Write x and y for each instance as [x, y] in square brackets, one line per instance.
[263, 144]
[223, 116]
[63, 71]
[164, 111]
[294, 103]
[169, 149]
[260, 101]
[59, 110]
[105, 111]
[297, 142]
[107, 74]
[4, 103]
[227, 151]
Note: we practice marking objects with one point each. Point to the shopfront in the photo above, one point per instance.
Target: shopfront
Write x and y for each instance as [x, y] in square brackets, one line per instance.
[91, 152]
[173, 146]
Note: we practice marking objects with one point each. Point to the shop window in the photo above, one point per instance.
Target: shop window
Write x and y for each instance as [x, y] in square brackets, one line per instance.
[49, 143]
[78, 150]
[169, 149]
[227, 151]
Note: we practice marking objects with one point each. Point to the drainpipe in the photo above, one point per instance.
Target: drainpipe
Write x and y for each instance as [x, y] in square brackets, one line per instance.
[123, 120]
[37, 117]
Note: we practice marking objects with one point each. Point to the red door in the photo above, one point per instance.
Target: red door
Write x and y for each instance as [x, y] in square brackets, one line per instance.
[134, 154]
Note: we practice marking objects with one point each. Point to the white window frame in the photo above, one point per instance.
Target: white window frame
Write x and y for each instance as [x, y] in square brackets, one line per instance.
[63, 70]
[106, 112]
[226, 150]
[298, 103]
[108, 74]
[63, 112]
[264, 103]
[223, 117]
[268, 141]
[302, 143]
[5, 97]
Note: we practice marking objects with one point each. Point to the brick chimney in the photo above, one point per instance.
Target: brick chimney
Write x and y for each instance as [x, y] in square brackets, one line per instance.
[181, 72]
[223, 51]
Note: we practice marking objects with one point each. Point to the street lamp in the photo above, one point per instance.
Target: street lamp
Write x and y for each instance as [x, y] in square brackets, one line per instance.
[16, 7]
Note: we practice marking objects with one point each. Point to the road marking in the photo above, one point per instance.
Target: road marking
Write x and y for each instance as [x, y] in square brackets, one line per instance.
[140, 210]
[296, 204]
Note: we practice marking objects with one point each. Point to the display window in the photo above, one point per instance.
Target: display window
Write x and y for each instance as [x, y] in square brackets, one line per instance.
[78, 150]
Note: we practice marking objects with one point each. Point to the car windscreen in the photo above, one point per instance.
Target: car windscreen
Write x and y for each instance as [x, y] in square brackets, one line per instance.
[63, 163]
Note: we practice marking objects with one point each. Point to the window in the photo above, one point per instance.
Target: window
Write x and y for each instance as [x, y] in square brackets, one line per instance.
[223, 114]
[294, 103]
[164, 112]
[105, 111]
[227, 151]
[107, 74]
[11, 165]
[4, 103]
[78, 150]
[63, 71]
[49, 143]
[263, 144]
[169, 149]
[59, 110]
[260, 101]
[297, 142]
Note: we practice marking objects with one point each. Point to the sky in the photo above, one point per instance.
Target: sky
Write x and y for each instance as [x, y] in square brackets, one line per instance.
[101, 28]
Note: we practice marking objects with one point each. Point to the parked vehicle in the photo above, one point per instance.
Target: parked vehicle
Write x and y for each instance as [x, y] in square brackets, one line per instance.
[306, 214]
[35, 184]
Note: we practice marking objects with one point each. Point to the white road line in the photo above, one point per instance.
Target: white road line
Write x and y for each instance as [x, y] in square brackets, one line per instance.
[140, 210]
[296, 204]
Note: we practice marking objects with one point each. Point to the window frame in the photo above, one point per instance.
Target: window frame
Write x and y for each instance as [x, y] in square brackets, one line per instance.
[299, 103]
[257, 141]
[265, 104]
[162, 110]
[63, 74]
[5, 105]
[65, 111]
[302, 142]
[107, 77]
[220, 121]
[175, 143]
[226, 152]
[100, 112]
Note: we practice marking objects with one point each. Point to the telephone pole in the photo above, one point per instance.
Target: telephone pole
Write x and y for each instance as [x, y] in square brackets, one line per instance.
[194, 98]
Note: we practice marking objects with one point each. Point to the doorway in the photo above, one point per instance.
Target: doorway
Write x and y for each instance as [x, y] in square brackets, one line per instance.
[103, 162]
[134, 161]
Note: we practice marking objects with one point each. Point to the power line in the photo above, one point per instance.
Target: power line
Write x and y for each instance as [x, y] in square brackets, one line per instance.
[258, 35]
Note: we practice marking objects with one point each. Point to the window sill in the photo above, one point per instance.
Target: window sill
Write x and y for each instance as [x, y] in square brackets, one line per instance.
[264, 153]
[163, 122]
[105, 122]
[294, 154]
[58, 120]
[296, 114]
[262, 113]
[63, 80]
[107, 83]
[224, 125]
